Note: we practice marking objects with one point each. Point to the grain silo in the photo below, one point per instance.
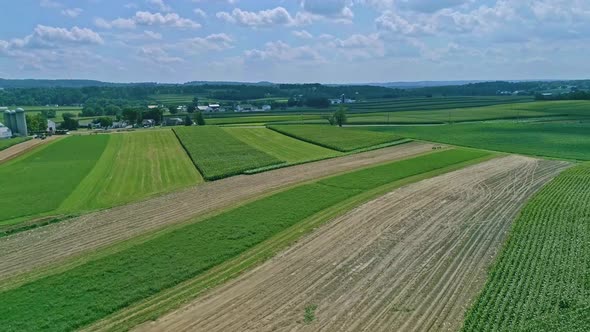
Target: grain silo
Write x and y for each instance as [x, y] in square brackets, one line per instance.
[6, 121]
[10, 121]
[21, 122]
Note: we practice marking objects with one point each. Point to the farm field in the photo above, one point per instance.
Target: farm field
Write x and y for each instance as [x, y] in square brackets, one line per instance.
[20, 146]
[567, 140]
[280, 146]
[340, 139]
[134, 166]
[6, 143]
[413, 259]
[52, 173]
[24, 252]
[541, 281]
[262, 119]
[195, 247]
[217, 154]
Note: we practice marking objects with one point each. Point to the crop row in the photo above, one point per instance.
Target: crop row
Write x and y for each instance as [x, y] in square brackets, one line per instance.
[217, 154]
[89, 292]
[541, 281]
[340, 139]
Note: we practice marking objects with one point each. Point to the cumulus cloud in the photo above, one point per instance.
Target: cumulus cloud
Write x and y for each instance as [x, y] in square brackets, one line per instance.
[360, 46]
[50, 4]
[212, 42]
[263, 18]
[152, 35]
[303, 34]
[329, 8]
[158, 55]
[46, 36]
[159, 5]
[142, 18]
[72, 12]
[200, 13]
[280, 51]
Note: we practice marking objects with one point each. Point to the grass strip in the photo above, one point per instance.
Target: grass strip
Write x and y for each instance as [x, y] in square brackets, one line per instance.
[92, 291]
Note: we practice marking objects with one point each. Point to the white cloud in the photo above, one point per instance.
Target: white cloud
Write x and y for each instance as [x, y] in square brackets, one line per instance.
[158, 55]
[200, 13]
[263, 18]
[280, 51]
[46, 36]
[213, 42]
[303, 34]
[142, 18]
[153, 35]
[159, 5]
[360, 46]
[72, 12]
[329, 8]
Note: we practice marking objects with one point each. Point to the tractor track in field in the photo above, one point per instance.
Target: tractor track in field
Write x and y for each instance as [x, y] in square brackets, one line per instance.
[53, 244]
[21, 148]
[411, 260]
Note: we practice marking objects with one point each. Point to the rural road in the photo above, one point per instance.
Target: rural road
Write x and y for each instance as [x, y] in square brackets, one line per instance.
[52, 244]
[17, 150]
[411, 260]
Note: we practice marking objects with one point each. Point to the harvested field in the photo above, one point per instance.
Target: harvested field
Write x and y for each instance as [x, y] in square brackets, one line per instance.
[20, 148]
[46, 246]
[413, 259]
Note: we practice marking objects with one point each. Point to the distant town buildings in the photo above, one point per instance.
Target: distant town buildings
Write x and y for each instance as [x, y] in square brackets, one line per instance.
[251, 108]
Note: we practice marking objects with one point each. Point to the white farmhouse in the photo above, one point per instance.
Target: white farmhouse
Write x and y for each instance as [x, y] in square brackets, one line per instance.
[5, 132]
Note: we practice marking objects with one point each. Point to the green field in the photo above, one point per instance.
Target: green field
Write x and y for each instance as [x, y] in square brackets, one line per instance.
[134, 166]
[6, 143]
[86, 293]
[39, 182]
[567, 140]
[541, 281]
[263, 119]
[281, 146]
[340, 139]
[218, 154]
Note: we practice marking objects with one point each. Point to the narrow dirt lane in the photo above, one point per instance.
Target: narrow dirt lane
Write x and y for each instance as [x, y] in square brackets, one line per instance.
[412, 260]
[17, 150]
[37, 248]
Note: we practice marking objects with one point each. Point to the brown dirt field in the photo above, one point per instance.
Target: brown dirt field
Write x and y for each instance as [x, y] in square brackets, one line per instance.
[52, 244]
[17, 150]
[412, 260]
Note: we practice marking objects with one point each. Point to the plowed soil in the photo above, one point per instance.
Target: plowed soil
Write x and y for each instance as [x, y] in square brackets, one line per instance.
[49, 245]
[412, 260]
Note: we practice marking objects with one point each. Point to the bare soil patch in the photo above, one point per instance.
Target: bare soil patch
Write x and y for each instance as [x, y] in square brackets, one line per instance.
[412, 260]
[50, 245]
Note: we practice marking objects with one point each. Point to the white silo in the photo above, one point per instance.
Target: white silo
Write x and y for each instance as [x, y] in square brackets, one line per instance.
[21, 122]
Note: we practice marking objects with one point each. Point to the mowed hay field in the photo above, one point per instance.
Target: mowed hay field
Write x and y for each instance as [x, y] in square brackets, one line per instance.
[567, 140]
[280, 146]
[541, 281]
[340, 139]
[134, 166]
[82, 173]
[86, 293]
[411, 260]
[218, 154]
[39, 182]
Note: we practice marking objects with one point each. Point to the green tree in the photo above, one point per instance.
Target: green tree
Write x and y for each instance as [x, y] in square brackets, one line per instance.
[36, 123]
[172, 109]
[196, 101]
[188, 121]
[191, 108]
[104, 121]
[199, 119]
[69, 123]
[340, 116]
[131, 115]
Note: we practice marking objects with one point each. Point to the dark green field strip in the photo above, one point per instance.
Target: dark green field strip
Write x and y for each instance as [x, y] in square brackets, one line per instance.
[541, 281]
[89, 292]
[340, 139]
[41, 181]
[217, 154]
[6, 143]
[556, 140]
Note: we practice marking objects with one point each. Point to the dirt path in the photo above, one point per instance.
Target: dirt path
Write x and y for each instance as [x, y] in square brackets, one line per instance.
[412, 260]
[17, 150]
[48, 245]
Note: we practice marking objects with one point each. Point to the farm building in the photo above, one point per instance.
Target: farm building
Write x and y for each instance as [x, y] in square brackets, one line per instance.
[5, 132]
[15, 120]
[51, 127]
[174, 121]
[214, 108]
[251, 108]
[203, 108]
[148, 123]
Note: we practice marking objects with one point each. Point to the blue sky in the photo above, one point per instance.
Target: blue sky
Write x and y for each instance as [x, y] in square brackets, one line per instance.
[338, 41]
